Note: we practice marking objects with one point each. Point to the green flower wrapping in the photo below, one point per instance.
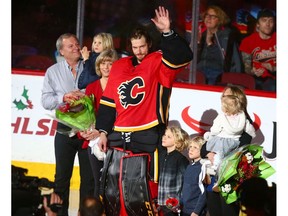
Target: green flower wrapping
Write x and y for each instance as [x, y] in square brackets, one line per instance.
[241, 164]
[78, 115]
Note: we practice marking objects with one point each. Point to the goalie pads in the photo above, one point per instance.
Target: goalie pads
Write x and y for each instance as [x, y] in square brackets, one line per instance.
[125, 184]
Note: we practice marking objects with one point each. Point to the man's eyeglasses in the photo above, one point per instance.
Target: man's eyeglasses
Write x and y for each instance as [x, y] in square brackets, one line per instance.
[211, 16]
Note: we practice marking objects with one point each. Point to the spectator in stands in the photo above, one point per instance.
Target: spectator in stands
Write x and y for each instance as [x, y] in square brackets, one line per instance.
[218, 51]
[60, 85]
[102, 41]
[259, 52]
[103, 66]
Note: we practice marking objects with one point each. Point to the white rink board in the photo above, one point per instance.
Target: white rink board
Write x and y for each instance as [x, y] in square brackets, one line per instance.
[33, 134]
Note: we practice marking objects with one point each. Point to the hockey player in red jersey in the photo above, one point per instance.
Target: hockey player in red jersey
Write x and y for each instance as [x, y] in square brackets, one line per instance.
[133, 115]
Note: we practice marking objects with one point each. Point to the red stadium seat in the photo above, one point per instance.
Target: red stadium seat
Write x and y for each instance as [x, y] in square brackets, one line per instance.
[241, 79]
[19, 51]
[183, 76]
[34, 62]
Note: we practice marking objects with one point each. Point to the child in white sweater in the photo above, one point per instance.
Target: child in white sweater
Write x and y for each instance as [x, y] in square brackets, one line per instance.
[227, 128]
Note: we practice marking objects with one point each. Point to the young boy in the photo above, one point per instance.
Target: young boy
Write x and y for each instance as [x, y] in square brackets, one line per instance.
[172, 165]
[194, 191]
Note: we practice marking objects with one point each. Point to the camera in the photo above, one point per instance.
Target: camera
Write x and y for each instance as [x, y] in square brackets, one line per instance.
[28, 193]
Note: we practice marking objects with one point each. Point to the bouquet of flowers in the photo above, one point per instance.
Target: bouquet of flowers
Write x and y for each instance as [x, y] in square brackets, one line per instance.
[173, 204]
[243, 163]
[78, 115]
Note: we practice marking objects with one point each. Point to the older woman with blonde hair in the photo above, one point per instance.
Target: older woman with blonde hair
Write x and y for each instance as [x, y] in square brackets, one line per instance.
[218, 51]
[103, 67]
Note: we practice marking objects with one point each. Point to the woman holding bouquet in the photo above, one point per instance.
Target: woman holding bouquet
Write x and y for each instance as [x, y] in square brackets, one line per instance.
[215, 203]
[103, 66]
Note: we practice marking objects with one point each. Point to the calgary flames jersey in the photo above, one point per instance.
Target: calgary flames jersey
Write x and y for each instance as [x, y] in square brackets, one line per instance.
[137, 97]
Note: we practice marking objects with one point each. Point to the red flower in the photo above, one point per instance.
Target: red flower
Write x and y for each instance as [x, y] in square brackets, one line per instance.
[64, 107]
[174, 205]
[246, 170]
[172, 202]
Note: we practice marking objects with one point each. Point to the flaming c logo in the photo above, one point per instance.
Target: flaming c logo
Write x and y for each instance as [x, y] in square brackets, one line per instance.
[197, 125]
[131, 92]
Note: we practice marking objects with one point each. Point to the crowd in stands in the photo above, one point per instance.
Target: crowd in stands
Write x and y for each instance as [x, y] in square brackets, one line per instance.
[246, 45]
[221, 44]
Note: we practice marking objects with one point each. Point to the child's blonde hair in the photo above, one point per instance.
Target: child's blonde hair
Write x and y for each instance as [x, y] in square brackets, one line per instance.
[181, 137]
[107, 40]
[238, 92]
[197, 140]
[231, 104]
